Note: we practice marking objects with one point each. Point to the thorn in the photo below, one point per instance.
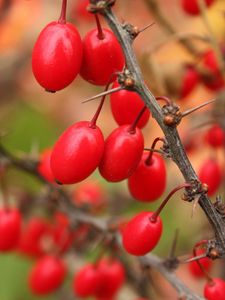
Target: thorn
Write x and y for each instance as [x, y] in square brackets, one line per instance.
[189, 111]
[146, 27]
[193, 259]
[195, 202]
[103, 94]
[174, 244]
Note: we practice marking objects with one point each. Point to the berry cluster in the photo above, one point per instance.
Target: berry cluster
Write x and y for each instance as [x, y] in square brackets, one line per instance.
[59, 55]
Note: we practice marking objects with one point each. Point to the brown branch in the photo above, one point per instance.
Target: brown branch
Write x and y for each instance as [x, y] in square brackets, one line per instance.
[103, 225]
[169, 29]
[171, 134]
[153, 261]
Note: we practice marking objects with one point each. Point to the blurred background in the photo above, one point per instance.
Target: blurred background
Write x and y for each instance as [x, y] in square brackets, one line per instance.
[32, 119]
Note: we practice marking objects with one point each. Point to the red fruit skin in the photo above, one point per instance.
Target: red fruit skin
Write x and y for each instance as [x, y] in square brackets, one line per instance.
[10, 228]
[216, 291]
[31, 238]
[194, 268]
[80, 11]
[112, 277]
[77, 153]
[210, 62]
[191, 7]
[211, 174]
[87, 281]
[47, 275]
[122, 153]
[126, 105]
[148, 182]
[91, 195]
[57, 56]
[101, 57]
[44, 168]
[140, 235]
[190, 80]
[215, 136]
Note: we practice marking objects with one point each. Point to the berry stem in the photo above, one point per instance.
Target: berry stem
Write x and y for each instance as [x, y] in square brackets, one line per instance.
[154, 216]
[62, 18]
[164, 98]
[100, 35]
[133, 126]
[149, 158]
[95, 118]
[206, 274]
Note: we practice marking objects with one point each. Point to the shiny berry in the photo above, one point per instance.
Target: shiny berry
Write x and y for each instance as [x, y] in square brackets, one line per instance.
[215, 290]
[44, 168]
[215, 136]
[112, 277]
[189, 82]
[102, 57]
[211, 174]
[90, 195]
[194, 268]
[191, 7]
[79, 10]
[32, 237]
[10, 228]
[87, 281]
[57, 56]
[47, 275]
[141, 235]
[214, 81]
[126, 105]
[148, 181]
[77, 153]
[122, 153]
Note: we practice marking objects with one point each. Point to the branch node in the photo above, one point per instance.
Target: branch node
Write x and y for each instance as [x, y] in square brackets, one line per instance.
[172, 115]
[99, 6]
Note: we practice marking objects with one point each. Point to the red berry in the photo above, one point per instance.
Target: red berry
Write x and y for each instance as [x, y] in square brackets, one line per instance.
[210, 173]
[194, 268]
[122, 153]
[192, 6]
[126, 105]
[87, 281]
[80, 10]
[61, 234]
[10, 228]
[215, 136]
[215, 81]
[101, 57]
[77, 153]
[215, 290]
[44, 168]
[141, 235]
[148, 181]
[112, 277]
[57, 56]
[47, 275]
[31, 241]
[189, 81]
[90, 194]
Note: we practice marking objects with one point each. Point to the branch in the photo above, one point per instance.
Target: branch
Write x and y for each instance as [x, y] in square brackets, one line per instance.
[169, 29]
[154, 261]
[173, 139]
[103, 225]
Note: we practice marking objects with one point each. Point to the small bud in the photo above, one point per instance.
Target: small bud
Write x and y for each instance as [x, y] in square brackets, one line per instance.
[129, 82]
[205, 187]
[214, 254]
[169, 120]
